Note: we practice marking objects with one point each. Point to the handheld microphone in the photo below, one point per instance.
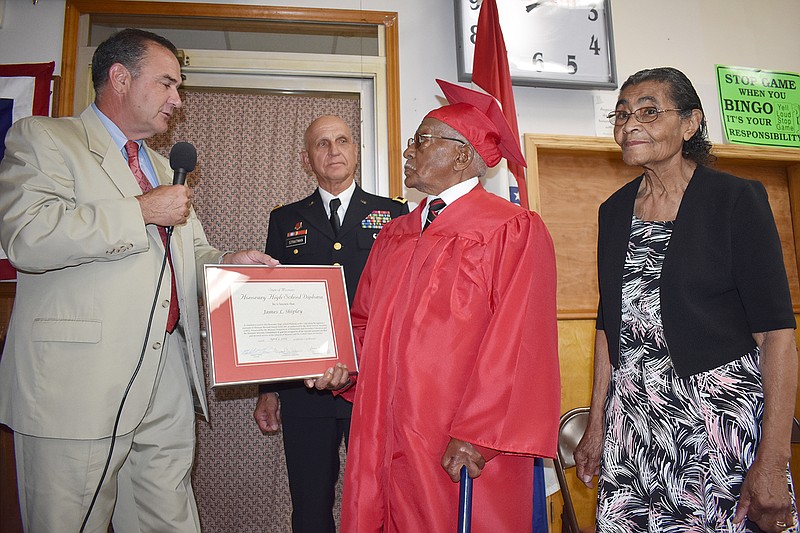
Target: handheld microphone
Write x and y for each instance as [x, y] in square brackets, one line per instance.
[182, 159]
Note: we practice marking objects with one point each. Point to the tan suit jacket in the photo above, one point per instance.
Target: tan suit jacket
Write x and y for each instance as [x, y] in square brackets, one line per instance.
[88, 269]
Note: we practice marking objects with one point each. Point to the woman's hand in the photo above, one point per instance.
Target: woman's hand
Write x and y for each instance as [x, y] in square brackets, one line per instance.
[590, 449]
[587, 454]
[765, 498]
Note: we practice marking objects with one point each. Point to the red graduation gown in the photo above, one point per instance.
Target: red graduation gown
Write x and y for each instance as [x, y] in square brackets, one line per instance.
[456, 331]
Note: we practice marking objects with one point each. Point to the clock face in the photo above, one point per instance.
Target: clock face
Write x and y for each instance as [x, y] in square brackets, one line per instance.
[550, 43]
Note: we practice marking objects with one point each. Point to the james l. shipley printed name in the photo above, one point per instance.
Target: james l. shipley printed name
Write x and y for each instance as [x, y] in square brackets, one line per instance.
[282, 312]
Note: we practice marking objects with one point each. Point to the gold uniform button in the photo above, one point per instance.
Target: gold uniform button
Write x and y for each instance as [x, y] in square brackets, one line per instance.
[295, 251]
[337, 246]
[337, 264]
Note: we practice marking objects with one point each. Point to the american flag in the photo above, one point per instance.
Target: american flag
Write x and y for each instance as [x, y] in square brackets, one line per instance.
[490, 72]
[24, 91]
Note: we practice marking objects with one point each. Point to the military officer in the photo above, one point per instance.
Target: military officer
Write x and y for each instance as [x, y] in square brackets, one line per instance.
[336, 225]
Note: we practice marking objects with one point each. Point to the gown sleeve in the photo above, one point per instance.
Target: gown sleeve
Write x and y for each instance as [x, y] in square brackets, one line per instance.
[511, 402]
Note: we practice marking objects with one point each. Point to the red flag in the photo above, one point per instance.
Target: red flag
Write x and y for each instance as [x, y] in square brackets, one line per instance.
[490, 73]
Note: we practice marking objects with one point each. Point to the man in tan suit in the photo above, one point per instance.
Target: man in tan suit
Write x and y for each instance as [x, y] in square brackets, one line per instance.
[91, 324]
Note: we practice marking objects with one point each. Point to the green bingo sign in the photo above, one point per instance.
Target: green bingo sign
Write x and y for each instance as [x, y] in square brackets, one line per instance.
[759, 106]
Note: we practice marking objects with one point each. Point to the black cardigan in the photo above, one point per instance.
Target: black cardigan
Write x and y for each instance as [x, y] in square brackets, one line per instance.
[723, 276]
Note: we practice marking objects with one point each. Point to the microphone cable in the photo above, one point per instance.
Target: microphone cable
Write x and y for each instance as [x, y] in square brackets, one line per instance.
[130, 383]
[182, 160]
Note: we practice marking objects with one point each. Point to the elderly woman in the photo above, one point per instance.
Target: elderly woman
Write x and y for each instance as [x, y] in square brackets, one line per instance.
[695, 365]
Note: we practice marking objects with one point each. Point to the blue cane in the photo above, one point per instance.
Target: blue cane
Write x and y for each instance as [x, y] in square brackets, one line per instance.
[465, 502]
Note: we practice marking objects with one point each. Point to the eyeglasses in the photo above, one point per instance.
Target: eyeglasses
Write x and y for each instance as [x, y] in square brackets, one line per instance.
[420, 138]
[643, 115]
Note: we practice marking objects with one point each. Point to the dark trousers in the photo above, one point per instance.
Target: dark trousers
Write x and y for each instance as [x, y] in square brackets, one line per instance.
[312, 460]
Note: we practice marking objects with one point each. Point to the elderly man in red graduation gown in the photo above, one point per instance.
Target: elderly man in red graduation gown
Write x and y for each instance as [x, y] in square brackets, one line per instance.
[455, 326]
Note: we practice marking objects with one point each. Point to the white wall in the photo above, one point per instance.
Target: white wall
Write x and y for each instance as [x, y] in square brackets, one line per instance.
[692, 35]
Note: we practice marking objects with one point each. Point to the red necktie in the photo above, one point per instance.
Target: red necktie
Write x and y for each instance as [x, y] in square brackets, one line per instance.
[132, 150]
[436, 205]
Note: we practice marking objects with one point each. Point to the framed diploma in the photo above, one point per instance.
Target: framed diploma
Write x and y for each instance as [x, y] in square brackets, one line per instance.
[276, 323]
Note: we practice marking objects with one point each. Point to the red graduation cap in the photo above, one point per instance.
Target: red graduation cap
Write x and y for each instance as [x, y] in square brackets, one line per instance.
[478, 117]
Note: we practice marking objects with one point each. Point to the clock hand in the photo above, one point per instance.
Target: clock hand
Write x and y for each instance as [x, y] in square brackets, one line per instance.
[531, 7]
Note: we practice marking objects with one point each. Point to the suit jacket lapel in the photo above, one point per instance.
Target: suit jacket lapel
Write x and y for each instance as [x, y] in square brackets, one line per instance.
[314, 213]
[620, 229]
[163, 172]
[358, 209]
[101, 144]
[116, 167]
[181, 241]
[111, 159]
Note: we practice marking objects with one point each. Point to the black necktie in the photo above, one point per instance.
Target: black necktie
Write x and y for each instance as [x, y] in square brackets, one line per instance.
[436, 205]
[335, 223]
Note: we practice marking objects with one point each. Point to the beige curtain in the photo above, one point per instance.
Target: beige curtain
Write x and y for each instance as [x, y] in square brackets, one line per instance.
[248, 147]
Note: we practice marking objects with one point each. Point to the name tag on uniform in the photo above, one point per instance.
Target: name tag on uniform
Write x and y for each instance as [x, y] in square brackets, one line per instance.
[296, 238]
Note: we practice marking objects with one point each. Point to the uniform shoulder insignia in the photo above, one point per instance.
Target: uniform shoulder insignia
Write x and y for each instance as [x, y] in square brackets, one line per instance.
[277, 207]
[400, 199]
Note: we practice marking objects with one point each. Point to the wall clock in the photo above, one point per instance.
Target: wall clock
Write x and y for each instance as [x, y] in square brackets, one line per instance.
[550, 43]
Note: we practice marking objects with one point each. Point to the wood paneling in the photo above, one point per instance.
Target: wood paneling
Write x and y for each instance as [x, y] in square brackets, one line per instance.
[575, 352]
[574, 175]
[7, 291]
[9, 504]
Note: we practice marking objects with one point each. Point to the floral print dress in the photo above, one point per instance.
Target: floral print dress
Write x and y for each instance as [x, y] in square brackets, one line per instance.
[676, 449]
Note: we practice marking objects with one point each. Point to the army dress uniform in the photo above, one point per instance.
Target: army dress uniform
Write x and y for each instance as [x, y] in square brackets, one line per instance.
[315, 421]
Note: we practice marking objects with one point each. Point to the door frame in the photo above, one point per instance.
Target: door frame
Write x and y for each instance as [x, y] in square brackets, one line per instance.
[222, 17]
